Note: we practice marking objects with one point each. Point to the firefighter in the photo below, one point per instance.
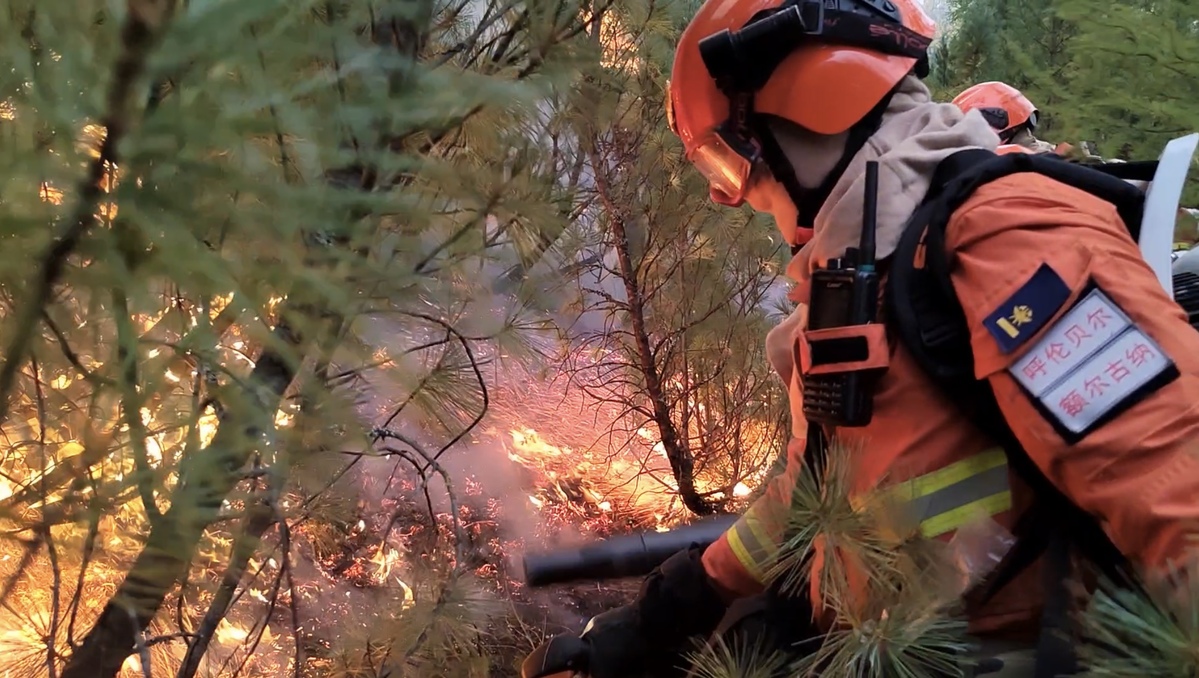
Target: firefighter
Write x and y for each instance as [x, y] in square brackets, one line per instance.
[1008, 111]
[1093, 367]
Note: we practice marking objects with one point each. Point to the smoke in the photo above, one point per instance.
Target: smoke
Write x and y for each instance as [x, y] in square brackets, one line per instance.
[526, 392]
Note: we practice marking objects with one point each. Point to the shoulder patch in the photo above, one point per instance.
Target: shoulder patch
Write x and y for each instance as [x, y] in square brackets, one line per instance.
[1028, 309]
[1090, 365]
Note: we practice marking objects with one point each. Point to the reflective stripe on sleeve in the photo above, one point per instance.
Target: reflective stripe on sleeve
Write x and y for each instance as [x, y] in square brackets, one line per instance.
[942, 500]
[751, 545]
[953, 496]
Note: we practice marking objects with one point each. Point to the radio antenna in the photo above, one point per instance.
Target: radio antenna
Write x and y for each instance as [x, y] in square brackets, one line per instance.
[869, 217]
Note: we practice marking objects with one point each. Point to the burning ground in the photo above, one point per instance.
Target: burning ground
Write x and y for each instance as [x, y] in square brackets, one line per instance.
[548, 467]
[371, 564]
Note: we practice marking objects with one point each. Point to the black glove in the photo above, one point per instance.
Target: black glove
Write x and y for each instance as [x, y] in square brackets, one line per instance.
[644, 638]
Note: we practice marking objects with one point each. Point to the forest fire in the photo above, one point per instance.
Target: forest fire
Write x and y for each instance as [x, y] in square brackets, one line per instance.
[69, 480]
[71, 519]
[74, 511]
[594, 488]
[606, 491]
[384, 551]
[595, 492]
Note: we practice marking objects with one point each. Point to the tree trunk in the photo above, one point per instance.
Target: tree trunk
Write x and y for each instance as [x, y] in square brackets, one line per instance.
[682, 464]
[261, 517]
[205, 479]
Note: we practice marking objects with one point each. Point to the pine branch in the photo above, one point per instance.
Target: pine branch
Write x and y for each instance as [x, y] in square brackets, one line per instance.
[205, 479]
[131, 404]
[893, 594]
[905, 642]
[739, 658]
[143, 26]
[1128, 633]
[861, 532]
[208, 476]
[259, 519]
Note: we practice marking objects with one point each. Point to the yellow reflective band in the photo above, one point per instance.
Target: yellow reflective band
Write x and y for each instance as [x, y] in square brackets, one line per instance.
[742, 554]
[968, 513]
[943, 501]
[953, 474]
[750, 546]
[948, 498]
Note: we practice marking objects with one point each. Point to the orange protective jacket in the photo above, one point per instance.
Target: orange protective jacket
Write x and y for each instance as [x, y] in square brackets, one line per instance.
[1137, 470]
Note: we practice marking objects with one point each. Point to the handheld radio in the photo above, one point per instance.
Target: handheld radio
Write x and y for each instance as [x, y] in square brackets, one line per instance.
[843, 341]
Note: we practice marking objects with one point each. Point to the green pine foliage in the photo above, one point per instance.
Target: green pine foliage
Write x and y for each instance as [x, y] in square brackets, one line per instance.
[741, 658]
[683, 345]
[1153, 632]
[890, 596]
[1090, 68]
[211, 212]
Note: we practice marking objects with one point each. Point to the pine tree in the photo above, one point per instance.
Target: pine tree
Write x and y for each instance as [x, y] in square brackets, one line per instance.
[683, 285]
[203, 205]
[1024, 44]
[1126, 93]
[1088, 69]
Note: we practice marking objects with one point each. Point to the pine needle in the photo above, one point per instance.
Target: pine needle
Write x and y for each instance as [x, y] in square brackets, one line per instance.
[864, 530]
[893, 591]
[909, 643]
[737, 659]
[904, 624]
[1128, 633]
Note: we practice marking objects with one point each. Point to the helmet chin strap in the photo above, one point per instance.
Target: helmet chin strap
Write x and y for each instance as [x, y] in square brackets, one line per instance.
[808, 201]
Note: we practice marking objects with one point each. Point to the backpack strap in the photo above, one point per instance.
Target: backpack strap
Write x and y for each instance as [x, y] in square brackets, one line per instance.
[923, 307]
[926, 315]
[1142, 170]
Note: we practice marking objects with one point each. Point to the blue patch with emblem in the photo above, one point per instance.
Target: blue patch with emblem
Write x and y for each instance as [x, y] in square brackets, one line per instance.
[1026, 311]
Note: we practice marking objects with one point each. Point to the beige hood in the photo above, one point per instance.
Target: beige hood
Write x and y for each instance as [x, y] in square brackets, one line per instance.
[915, 135]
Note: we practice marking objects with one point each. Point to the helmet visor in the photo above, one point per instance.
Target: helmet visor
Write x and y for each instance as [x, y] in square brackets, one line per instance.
[726, 171]
[726, 166]
[670, 111]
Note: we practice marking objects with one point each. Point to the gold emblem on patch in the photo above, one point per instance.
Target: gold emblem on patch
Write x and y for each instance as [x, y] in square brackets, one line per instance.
[1021, 315]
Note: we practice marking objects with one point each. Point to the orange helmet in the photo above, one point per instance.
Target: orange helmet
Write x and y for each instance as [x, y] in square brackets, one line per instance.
[821, 65]
[1004, 107]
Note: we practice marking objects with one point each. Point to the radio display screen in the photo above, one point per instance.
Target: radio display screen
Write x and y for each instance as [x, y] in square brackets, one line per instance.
[831, 304]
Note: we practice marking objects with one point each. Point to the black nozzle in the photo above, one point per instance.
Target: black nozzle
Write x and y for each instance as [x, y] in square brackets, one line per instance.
[632, 555]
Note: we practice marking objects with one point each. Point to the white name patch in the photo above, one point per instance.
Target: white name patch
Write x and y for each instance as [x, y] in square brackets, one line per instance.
[1075, 337]
[1089, 362]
